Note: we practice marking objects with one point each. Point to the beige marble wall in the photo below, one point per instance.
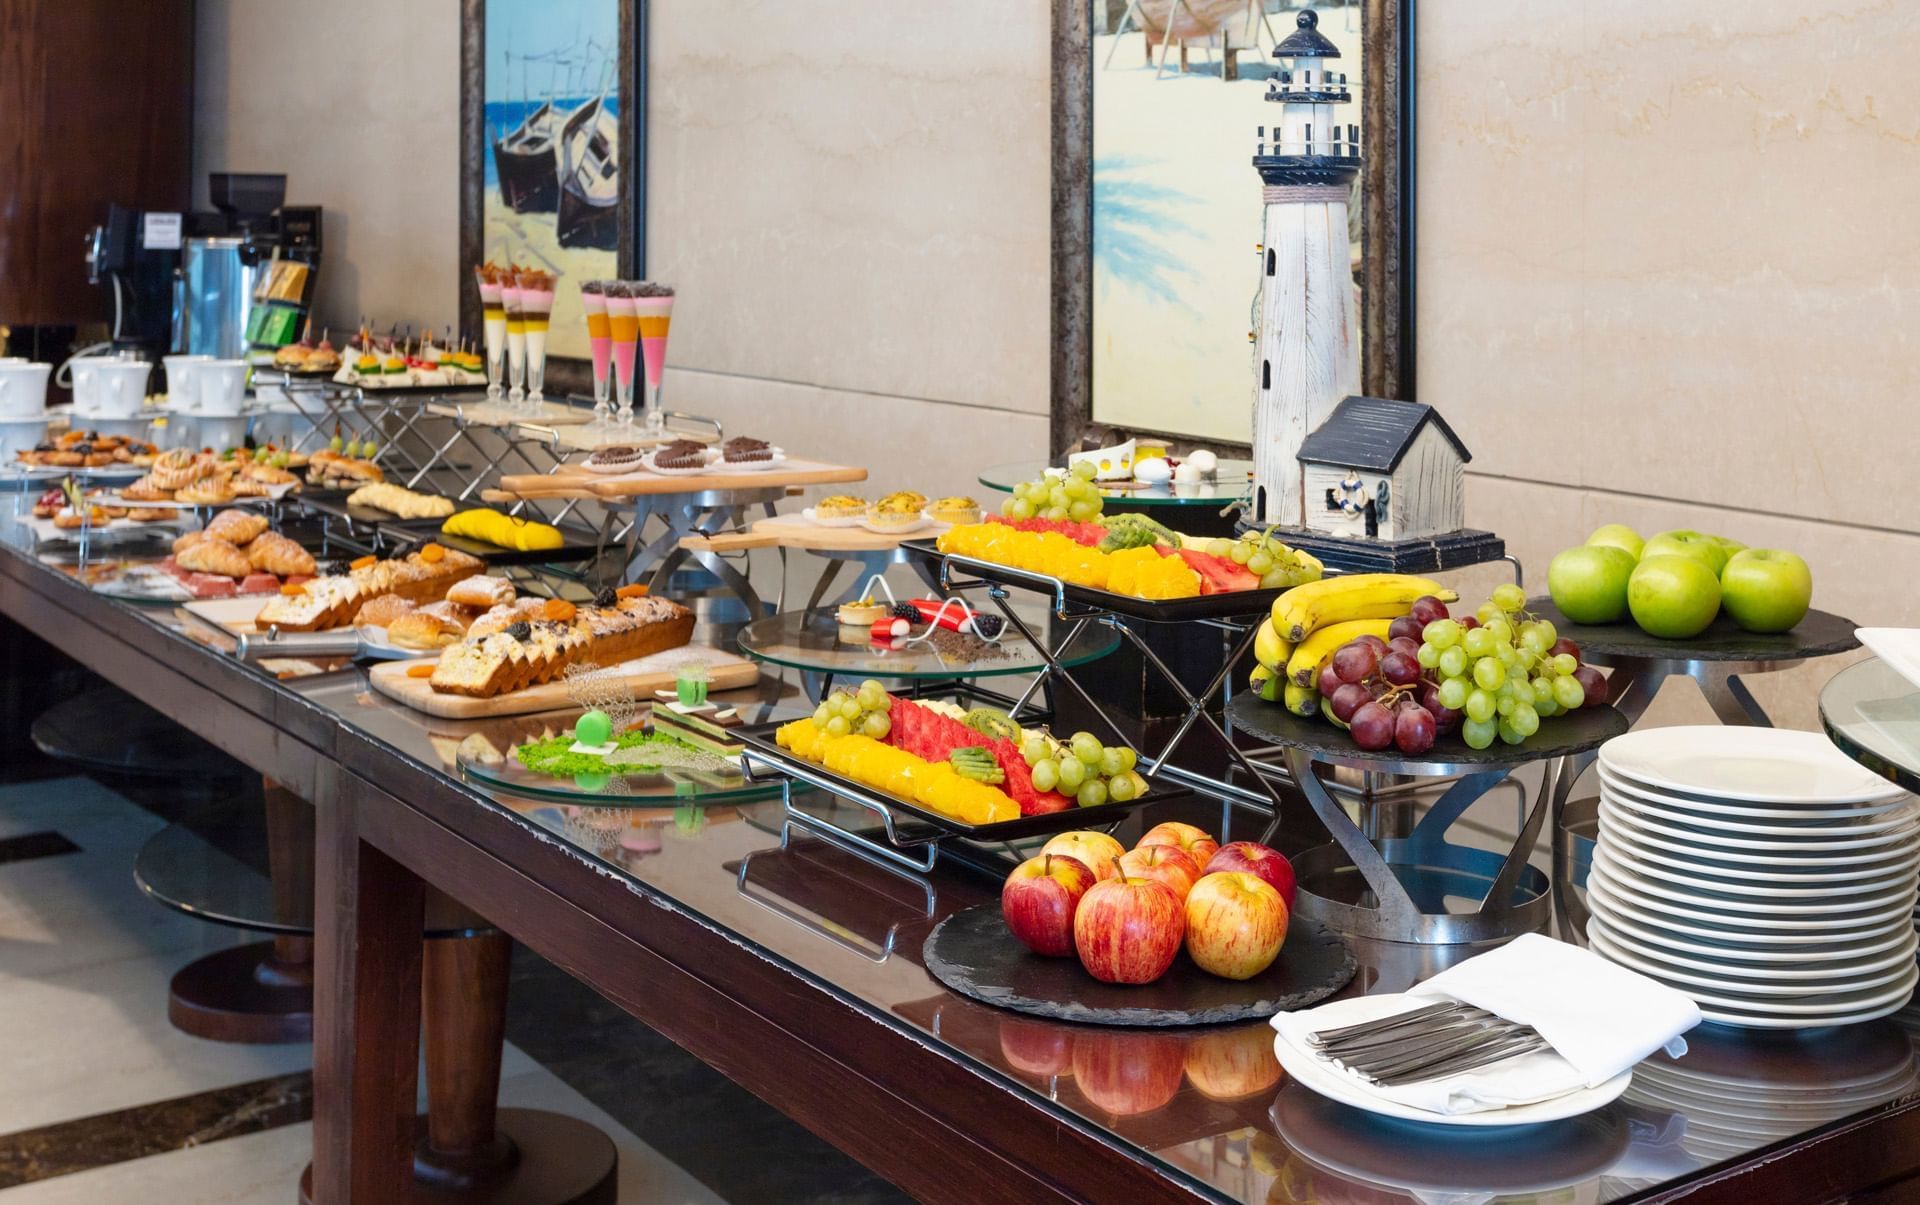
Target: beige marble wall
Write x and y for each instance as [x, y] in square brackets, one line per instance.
[1667, 266]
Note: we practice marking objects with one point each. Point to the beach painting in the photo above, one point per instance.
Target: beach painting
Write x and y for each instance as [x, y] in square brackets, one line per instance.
[1177, 212]
[551, 164]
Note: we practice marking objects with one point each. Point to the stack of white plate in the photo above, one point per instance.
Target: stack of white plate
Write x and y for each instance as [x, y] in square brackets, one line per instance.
[1759, 871]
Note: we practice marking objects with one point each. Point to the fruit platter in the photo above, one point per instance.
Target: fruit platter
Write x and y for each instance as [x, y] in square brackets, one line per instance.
[968, 772]
[1178, 930]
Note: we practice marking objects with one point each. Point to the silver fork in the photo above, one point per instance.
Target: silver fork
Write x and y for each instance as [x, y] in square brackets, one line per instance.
[1430, 1042]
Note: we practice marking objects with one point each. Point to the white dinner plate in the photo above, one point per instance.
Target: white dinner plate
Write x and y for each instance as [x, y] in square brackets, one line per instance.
[723, 465]
[1892, 1003]
[1629, 891]
[1808, 813]
[1712, 926]
[1807, 873]
[1886, 898]
[1754, 765]
[694, 471]
[1760, 989]
[1898, 647]
[1875, 842]
[1727, 965]
[1696, 880]
[1313, 1073]
[1762, 1000]
[813, 516]
[1719, 951]
[1813, 830]
[1808, 863]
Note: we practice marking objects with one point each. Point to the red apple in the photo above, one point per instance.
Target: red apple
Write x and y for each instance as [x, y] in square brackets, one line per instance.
[1042, 1048]
[1252, 857]
[1038, 901]
[1167, 864]
[1197, 842]
[1096, 851]
[1233, 1062]
[1127, 1073]
[1235, 924]
[1129, 930]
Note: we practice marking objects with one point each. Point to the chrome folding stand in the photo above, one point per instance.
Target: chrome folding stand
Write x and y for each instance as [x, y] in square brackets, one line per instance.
[867, 564]
[695, 513]
[839, 935]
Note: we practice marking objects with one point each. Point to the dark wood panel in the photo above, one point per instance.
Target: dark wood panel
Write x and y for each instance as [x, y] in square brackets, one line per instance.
[96, 105]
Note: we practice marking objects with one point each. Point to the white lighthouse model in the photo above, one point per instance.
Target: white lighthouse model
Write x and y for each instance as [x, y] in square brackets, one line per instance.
[1307, 358]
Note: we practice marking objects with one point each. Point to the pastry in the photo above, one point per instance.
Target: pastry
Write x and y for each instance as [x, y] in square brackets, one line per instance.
[214, 556]
[208, 491]
[188, 540]
[481, 592]
[144, 490]
[152, 514]
[528, 652]
[401, 502]
[897, 511]
[862, 614]
[177, 467]
[958, 509]
[69, 519]
[454, 613]
[49, 504]
[503, 530]
[621, 458]
[742, 449]
[912, 500]
[420, 629]
[840, 506]
[275, 553]
[681, 454]
[379, 612]
[332, 601]
[268, 474]
[504, 616]
[236, 526]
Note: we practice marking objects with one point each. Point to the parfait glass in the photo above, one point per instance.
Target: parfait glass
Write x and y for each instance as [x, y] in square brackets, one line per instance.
[653, 303]
[516, 341]
[493, 311]
[623, 330]
[536, 302]
[593, 299]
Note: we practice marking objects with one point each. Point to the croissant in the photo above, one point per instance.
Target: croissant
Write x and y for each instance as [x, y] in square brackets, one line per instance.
[187, 541]
[275, 553]
[214, 556]
[236, 526]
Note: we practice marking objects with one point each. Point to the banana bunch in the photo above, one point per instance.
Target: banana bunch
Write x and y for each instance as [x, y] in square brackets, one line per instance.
[1311, 621]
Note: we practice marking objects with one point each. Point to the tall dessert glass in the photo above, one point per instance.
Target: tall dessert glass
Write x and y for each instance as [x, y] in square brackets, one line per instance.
[653, 303]
[536, 304]
[493, 312]
[623, 328]
[593, 299]
[516, 339]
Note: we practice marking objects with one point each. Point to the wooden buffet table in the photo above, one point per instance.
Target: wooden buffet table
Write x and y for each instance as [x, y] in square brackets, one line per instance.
[837, 1023]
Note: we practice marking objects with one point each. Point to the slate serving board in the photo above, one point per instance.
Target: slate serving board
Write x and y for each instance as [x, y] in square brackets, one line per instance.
[1559, 736]
[1820, 634]
[972, 953]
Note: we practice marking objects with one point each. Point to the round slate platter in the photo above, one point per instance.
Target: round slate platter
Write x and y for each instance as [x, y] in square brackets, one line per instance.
[972, 953]
[1820, 634]
[1559, 736]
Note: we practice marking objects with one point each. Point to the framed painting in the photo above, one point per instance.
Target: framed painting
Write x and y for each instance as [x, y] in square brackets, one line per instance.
[1158, 107]
[552, 162]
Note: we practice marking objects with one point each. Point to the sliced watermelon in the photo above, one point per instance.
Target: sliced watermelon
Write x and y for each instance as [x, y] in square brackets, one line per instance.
[1019, 782]
[926, 733]
[1089, 534]
[1218, 575]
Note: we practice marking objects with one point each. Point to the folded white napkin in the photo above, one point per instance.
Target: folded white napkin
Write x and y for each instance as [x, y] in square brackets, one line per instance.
[1600, 1019]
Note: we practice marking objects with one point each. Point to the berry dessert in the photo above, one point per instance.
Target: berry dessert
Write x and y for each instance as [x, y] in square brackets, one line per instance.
[621, 458]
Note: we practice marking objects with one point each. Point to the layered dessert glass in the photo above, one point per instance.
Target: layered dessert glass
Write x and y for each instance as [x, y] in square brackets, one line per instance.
[623, 331]
[516, 338]
[536, 307]
[653, 304]
[593, 299]
[493, 312]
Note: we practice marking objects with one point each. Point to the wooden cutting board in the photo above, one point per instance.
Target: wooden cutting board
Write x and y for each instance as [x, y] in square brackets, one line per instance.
[796, 531]
[572, 479]
[643, 676]
[234, 615]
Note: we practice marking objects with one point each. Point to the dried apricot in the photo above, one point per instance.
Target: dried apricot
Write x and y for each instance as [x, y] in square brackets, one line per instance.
[634, 590]
[420, 669]
[557, 609]
[363, 562]
[432, 554]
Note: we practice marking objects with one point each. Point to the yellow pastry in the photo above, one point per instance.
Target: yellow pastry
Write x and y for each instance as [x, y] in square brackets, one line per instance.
[958, 509]
[504, 531]
[840, 506]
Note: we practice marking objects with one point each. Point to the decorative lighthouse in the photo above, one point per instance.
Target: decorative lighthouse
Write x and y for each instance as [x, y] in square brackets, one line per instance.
[1308, 359]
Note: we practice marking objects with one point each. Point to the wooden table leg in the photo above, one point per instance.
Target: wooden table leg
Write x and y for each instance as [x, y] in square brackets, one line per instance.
[366, 1041]
[262, 992]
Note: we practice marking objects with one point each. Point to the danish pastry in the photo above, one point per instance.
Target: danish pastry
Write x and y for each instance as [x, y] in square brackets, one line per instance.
[209, 491]
[144, 490]
[177, 467]
[481, 592]
[381, 611]
[422, 630]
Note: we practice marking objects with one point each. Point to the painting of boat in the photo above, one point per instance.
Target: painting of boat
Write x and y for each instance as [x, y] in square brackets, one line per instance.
[1226, 26]
[523, 160]
[589, 177]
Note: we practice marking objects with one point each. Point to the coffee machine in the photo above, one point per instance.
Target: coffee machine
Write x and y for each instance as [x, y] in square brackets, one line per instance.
[234, 283]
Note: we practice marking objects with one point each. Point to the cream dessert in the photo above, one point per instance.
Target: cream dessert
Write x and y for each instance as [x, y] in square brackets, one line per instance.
[653, 304]
[536, 307]
[516, 337]
[493, 313]
[593, 299]
[623, 330]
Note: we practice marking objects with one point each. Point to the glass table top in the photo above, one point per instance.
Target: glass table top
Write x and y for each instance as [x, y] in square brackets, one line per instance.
[1234, 479]
[810, 641]
[1207, 1107]
[1873, 714]
[665, 788]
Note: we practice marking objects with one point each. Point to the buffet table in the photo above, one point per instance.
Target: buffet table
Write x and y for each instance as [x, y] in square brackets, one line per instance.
[794, 967]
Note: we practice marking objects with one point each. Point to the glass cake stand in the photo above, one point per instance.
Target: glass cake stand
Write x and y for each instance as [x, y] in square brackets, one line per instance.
[1231, 482]
[667, 788]
[1873, 715]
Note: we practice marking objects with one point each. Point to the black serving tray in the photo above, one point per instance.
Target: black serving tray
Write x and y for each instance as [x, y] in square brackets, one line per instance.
[761, 748]
[334, 502]
[1151, 610]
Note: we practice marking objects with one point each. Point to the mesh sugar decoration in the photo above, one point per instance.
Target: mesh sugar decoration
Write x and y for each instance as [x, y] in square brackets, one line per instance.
[598, 688]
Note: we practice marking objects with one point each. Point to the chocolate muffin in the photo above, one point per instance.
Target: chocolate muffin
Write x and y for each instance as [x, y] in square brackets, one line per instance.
[617, 459]
[681, 454]
[742, 448]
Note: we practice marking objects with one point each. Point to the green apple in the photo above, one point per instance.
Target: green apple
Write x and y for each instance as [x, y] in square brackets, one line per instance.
[1766, 590]
[1617, 535]
[1589, 582]
[1705, 548]
[1732, 546]
[1673, 596]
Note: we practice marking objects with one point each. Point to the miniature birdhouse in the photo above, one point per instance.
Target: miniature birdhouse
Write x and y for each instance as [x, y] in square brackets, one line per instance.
[1383, 469]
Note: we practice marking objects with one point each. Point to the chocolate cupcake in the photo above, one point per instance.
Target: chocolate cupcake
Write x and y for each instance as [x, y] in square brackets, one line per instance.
[681, 454]
[620, 458]
[742, 449]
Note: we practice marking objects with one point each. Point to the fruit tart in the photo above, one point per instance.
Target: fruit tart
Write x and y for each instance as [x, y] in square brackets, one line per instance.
[840, 506]
[896, 512]
[957, 509]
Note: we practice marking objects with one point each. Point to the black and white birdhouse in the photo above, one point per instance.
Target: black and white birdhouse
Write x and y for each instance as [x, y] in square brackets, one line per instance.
[1383, 469]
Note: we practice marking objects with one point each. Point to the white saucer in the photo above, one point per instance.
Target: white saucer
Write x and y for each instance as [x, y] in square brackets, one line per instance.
[1752, 765]
[921, 523]
[1812, 813]
[1883, 898]
[813, 516]
[696, 471]
[750, 466]
[1607, 902]
[1881, 914]
[1311, 1072]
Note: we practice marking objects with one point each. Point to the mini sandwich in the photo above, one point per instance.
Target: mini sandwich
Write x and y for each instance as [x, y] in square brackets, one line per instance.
[705, 727]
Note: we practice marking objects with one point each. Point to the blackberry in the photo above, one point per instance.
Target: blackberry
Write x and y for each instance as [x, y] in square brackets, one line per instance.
[988, 626]
[906, 611]
[606, 598]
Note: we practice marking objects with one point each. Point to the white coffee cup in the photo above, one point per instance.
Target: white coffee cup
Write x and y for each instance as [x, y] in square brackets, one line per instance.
[182, 385]
[110, 388]
[17, 435]
[23, 388]
[221, 386]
